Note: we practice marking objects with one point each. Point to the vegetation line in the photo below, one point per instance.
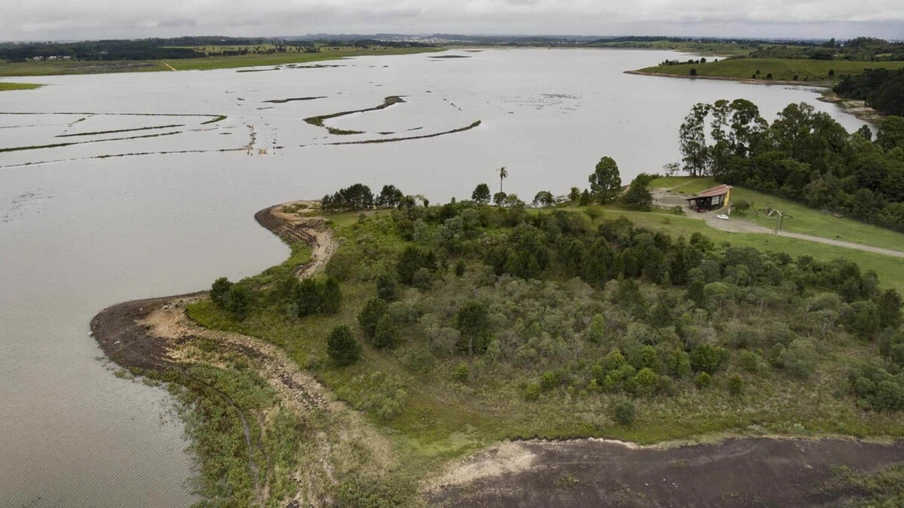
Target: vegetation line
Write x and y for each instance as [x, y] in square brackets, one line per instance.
[8, 87]
[120, 130]
[393, 140]
[219, 118]
[387, 102]
[58, 145]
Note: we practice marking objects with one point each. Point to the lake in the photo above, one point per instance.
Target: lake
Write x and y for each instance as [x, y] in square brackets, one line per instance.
[86, 225]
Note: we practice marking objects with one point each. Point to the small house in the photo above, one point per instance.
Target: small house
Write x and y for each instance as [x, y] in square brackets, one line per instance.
[711, 199]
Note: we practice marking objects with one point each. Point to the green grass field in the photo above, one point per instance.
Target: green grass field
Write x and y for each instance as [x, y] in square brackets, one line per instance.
[781, 69]
[697, 48]
[798, 218]
[7, 87]
[215, 62]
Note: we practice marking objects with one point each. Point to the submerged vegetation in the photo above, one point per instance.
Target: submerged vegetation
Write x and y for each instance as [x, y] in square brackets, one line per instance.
[7, 87]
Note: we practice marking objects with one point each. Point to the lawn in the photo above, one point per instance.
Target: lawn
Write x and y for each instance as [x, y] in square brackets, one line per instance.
[7, 87]
[798, 218]
[781, 69]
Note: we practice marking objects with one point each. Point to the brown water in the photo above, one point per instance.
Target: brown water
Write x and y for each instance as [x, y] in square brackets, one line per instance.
[83, 233]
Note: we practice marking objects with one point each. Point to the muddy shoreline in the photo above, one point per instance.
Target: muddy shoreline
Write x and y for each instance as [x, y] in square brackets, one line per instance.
[129, 344]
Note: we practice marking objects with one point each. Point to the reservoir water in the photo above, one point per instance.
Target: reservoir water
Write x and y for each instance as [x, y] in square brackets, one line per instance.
[92, 223]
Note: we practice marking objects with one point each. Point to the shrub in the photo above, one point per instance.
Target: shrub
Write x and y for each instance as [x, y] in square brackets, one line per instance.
[625, 412]
[741, 207]
[462, 372]
[460, 268]
[735, 384]
[703, 380]
[532, 392]
[342, 347]
[386, 334]
[341, 266]
[597, 328]
[750, 361]
[370, 315]
[423, 279]
[799, 358]
[473, 322]
[386, 287]
[238, 300]
[693, 71]
[219, 291]
[645, 381]
[707, 358]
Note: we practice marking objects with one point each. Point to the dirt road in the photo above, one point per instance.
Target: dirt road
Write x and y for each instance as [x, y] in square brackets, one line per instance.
[666, 199]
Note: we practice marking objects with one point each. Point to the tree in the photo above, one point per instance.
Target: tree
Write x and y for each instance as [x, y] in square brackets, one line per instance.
[638, 195]
[219, 291]
[412, 259]
[369, 317]
[499, 198]
[692, 138]
[481, 194]
[605, 181]
[574, 196]
[503, 174]
[889, 304]
[389, 197]
[331, 296]
[706, 358]
[386, 334]
[342, 347]
[891, 133]
[544, 199]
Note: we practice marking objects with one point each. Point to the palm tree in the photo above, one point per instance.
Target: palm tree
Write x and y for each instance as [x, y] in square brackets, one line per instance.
[503, 174]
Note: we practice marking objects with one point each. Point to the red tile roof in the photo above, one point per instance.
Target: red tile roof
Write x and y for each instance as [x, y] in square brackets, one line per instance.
[715, 191]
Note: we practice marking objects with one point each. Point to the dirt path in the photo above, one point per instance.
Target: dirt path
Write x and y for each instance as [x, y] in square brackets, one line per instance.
[588, 472]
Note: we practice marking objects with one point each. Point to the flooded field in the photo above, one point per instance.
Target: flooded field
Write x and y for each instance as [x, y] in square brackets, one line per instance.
[115, 187]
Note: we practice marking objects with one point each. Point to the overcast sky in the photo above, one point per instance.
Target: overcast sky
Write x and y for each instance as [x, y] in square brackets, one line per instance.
[95, 19]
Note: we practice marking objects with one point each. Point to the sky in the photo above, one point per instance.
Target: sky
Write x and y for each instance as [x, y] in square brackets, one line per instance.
[99, 19]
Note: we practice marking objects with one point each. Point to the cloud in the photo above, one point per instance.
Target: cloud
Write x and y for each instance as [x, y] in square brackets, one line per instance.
[79, 19]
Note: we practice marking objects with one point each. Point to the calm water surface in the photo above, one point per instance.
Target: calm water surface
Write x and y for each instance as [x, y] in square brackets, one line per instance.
[79, 233]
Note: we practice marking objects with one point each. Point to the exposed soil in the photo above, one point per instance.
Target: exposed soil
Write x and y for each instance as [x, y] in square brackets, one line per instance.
[156, 334]
[736, 473]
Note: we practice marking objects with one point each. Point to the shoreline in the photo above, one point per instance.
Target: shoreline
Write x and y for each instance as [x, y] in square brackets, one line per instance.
[858, 109]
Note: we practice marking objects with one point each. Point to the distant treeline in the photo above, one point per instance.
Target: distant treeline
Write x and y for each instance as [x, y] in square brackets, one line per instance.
[175, 48]
[882, 89]
[862, 49]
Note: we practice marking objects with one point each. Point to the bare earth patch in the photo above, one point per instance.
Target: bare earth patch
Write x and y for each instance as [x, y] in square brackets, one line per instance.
[735, 472]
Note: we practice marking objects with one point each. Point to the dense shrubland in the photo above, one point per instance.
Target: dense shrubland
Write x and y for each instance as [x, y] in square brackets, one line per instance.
[549, 308]
[804, 155]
